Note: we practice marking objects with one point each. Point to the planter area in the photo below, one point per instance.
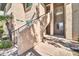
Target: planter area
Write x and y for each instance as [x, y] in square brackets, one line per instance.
[13, 51]
[5, 44]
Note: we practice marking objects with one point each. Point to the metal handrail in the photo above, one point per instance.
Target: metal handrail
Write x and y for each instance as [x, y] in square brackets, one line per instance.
[32, 20]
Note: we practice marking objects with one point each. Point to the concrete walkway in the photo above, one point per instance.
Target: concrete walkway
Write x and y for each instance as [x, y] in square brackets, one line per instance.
[46, 49]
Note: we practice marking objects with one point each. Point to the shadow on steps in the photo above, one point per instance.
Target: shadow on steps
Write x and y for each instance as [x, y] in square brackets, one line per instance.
[30, 52]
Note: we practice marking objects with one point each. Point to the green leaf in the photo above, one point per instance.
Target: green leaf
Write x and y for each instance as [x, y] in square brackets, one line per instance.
[5, 17]
[5, 44]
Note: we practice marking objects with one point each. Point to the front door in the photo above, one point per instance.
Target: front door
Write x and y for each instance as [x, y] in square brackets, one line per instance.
[59, 19]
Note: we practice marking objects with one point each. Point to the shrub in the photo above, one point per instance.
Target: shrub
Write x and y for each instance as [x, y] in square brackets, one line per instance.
[5, 38]
[1, 30]
[5, 44]
[1, 45]
[1, 26]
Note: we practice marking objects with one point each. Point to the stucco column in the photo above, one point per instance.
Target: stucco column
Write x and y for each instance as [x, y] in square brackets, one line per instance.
[37, 26]
[68, 20]
[41, 12]
[52, 19]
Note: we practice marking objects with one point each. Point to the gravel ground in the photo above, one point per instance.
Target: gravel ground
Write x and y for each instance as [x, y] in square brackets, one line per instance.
[13, 52]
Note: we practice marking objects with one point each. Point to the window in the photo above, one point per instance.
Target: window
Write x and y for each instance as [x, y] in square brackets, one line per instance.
[29, 4]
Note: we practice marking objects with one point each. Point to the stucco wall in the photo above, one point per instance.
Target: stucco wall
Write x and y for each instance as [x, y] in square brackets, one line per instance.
[25, 40]
[68, 21]
[51, 19]
[75, 10]
[41, 12]
[18, 12]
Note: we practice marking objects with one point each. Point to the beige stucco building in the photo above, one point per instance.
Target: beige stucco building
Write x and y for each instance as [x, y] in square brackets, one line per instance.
[57, 19]
[63, 15]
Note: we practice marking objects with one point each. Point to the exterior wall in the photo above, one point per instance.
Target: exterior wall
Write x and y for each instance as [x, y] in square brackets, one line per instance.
[52, 20]
[30, 12]
[25, 40]
[18, 12]
[25, 37]
[29, 15]
[75, 24]
[68, 21]
[41, 12]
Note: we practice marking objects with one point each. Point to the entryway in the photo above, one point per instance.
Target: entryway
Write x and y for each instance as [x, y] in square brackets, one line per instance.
[59, 19]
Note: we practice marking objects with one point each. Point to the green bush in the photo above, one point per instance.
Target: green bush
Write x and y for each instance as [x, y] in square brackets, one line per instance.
[5, 44]
[1, 26]
[1, 45]
[1, 30]
[5, 38]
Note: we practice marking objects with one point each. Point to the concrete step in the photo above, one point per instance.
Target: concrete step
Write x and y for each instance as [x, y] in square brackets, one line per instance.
[46, 49]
